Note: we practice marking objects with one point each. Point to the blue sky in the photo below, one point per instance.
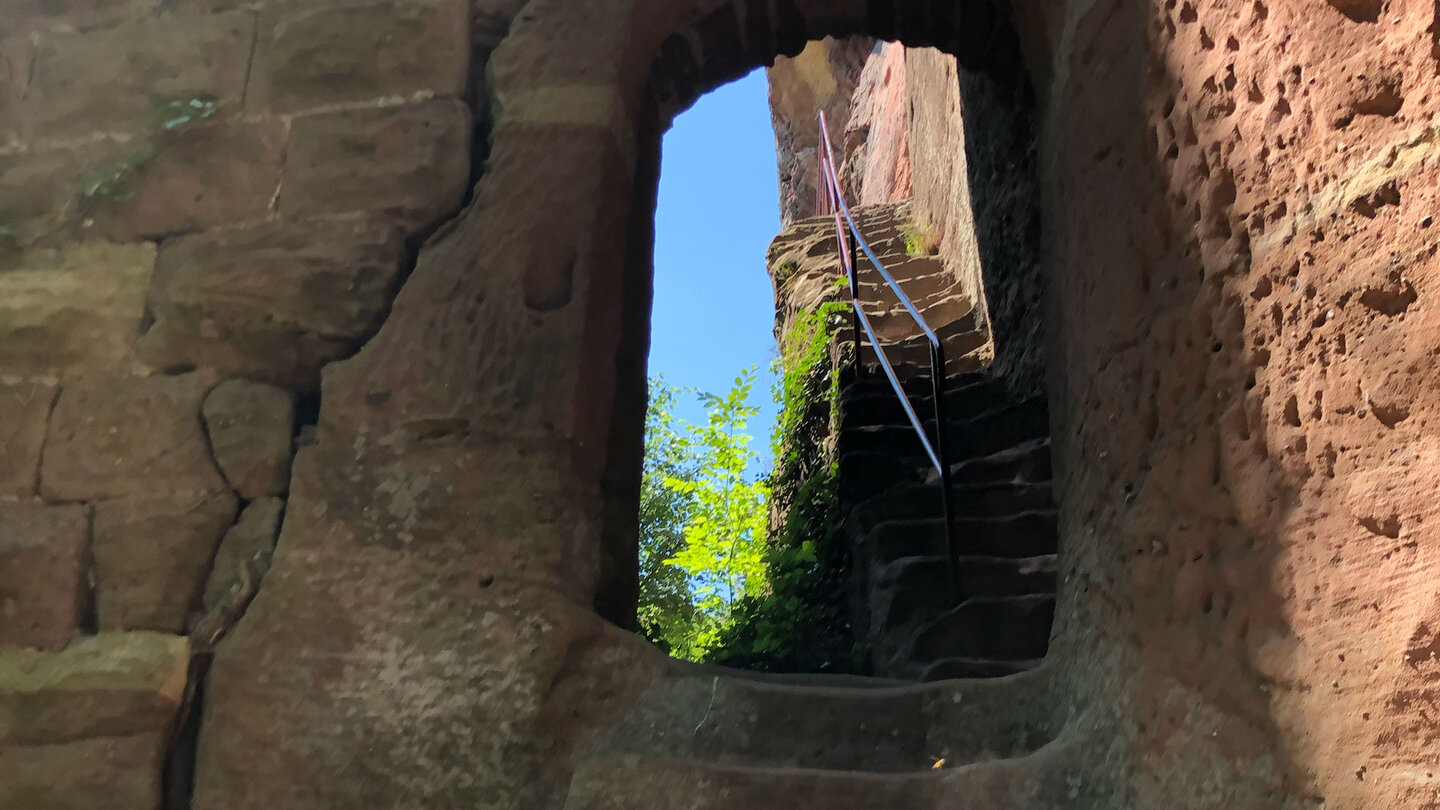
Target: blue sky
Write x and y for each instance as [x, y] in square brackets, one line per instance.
[719, 208]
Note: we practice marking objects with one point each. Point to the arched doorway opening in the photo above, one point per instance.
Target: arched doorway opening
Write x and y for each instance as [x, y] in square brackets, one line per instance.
[968, 210]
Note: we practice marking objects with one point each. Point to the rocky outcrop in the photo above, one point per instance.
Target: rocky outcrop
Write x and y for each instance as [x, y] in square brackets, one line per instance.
[1233, 260]
[823, 76]
[876, 168]
[202, 203]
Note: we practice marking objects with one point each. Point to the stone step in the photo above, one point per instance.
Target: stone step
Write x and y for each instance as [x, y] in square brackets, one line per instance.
[919, 279]
[830, 723]
[912, 587]
[952, 317]
[663, 783]
[915, 362]
[1025, 462]
[950, 668]
[1045, 777]
[876, 384]
[666, 783]
[875, 402]
[918, 287]
[1027, 534]
[864, 475]
[1007, 576]
[1003, 628]
[997, 430]
[912, 500]
[981, 435]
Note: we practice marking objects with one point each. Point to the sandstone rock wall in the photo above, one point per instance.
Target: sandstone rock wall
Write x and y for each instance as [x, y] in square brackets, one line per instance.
[201, 204]
[861, 86]
[1250, 572]
[907, 132]
[824, 76]
[1237, 248]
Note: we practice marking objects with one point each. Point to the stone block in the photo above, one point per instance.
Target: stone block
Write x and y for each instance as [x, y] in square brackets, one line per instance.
[72, 311]
[24, 415]
[273, 302]
[107, 685]
[123, 78]
[194, 178]
[24, 16]
[313, 57]
[42, 573]
[116, 773]
[152, 555]
[43, 191]
[250, 426]
[130, 437]
[411, 162]
[15, 56]
[245, 552]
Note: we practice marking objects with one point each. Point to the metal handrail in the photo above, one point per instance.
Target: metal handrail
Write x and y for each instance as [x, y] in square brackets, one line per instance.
[831, 201]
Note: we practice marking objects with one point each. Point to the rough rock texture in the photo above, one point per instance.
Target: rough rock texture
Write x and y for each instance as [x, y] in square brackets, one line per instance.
[316, 57]
[1004, 206]
[823, 76]
[244, 553]
[152, 556]
[250, 426]
[275, 301]
[877, 139]
[130, 437]
[411, 164]
[42, 573]
[191, 191]
[73, 311]
[88, 726]
[1236, 252]
[24, 417]
[111, 79]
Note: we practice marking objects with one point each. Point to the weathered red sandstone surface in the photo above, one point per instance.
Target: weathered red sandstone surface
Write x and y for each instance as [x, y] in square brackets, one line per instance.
[400, 250]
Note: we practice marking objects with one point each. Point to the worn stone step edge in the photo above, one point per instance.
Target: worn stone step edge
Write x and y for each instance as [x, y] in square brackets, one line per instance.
[1045, 777]
[707, 713]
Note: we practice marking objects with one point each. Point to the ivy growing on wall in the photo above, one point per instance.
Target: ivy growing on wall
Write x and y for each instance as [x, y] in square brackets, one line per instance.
[800, 622]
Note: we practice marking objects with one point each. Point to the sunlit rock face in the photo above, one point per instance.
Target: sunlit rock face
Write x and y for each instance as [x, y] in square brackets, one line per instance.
[1204, 233]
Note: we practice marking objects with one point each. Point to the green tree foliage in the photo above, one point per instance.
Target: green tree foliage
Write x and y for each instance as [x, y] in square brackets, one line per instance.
[703, 519]
[719, 582]
[667, 611]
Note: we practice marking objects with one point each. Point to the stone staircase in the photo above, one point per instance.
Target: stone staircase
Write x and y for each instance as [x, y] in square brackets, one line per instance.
[1004, 515]
[713, 739]
[949, 310]
[1004, 521]
[960, 716]
[902, 604]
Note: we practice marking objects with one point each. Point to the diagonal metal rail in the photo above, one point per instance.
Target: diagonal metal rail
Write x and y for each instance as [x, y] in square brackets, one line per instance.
[851, 244]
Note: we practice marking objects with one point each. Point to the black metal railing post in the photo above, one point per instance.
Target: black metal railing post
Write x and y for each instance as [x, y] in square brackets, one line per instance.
[855, 303]
[942, 449]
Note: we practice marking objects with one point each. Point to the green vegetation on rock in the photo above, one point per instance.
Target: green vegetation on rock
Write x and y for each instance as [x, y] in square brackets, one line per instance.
[721, 579]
